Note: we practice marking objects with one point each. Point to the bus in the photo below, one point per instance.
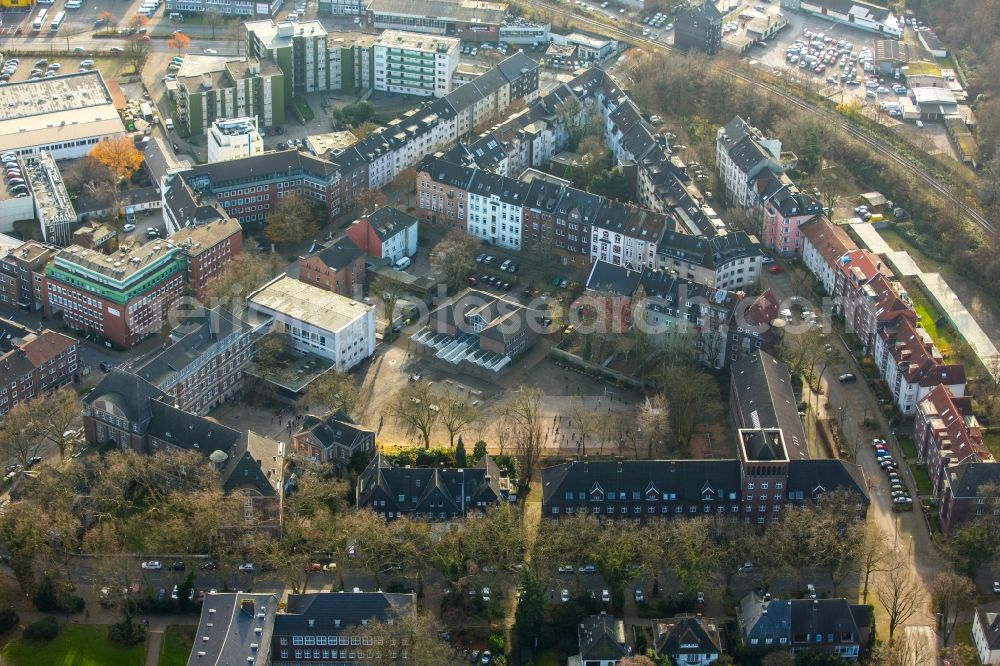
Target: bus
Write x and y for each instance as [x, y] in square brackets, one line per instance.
[36, 26]
[57, 21]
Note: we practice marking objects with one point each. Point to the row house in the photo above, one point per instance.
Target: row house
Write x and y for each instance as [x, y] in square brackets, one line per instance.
[33, 363]
[339, 267]
[495, 205]
[442, 191]
[539, 214]
[865, 297]
[743, 154]
[729, 261]
[948, 435]
[627, 235]
[795, 625]
[751, 328]
[21, 272]
[673, 306]
[202, 367]
[430, 493]
[911, 365]
[823, 244]
[782, 210]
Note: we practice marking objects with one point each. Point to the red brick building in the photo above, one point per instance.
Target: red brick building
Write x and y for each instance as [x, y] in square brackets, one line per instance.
[209, 247]
[34, 364]
[865, 295]
[21, 272]
[442, 195]
[339, 268]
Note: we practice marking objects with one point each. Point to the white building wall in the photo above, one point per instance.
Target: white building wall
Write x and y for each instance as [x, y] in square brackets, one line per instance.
[494, 221]
[345, 347]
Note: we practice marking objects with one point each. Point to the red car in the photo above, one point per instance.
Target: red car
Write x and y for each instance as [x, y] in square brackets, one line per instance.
[776, 269]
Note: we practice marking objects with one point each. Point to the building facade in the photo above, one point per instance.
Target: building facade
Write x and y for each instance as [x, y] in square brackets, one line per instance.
[34, 364]
[699, 29]
[332, 440]
[339, 267]
[233, 139]
[413, 64]
[388, 233]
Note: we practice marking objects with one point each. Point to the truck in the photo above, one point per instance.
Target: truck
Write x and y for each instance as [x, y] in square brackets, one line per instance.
[146, 110]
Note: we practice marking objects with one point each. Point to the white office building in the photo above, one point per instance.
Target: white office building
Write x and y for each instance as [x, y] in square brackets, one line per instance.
[233, 139]
[415, 64]
[316, 321]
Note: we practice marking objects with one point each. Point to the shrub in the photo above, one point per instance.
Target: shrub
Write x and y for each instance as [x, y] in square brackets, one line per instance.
[127, 633]
[8, 619]
[45, 596]
[44, 630]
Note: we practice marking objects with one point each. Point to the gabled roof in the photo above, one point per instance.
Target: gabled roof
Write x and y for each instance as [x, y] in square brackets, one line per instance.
[46, 346]
[447, 173]
[335, 429]
[488, 184]
[232, 623]
[762, 387]
[602, 637]
[128, 392]
[339, 254]
[954, 427]
[917, 358]
[809, 479]
[334, 612]
[967, 479]
[830, 240]
[188, 431]
[988, 617]
[687, 635]
[709, 253]
[515, 66]
[798, 621]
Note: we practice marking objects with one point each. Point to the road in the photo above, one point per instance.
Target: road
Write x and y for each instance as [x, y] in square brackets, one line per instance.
[907, 531]
[631, 36]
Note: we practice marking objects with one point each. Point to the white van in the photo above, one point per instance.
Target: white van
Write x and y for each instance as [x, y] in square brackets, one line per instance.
[169, 123]
[401, 263]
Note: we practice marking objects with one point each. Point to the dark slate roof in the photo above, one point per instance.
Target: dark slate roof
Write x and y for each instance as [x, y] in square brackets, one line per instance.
[706, 10]
[601, 637]
[748, 154]
[202, 330]
[880, 14]
[688, 635]
[688, 479]
[430, 486]
[618, 280]
[988, 618]
[279, 162]
[797, 620]
[463, 96]
[488, 152]
[508, 190]
[967, 478]
[130, 393]
[348, 609]
[763, 388]
[733, 132]
[587, 204]
[543, 195]
[447, 173]
[156, 159]
[387, 221]
[711, 252]
[350, 159]
[188, 431]
[514, 66]
[231, 630]
[808, 479]
[339, 254]
[337, 428]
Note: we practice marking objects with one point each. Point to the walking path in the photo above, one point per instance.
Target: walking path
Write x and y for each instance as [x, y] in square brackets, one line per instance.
[943, 295]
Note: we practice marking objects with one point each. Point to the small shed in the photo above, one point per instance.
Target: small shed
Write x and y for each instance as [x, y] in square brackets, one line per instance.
[875, 201]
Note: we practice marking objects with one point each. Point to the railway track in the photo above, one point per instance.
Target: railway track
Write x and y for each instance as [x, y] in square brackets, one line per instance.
[929, 179]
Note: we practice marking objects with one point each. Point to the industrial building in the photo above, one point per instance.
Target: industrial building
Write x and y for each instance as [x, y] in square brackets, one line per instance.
[468, 20]
[62, 115]
[225, 7]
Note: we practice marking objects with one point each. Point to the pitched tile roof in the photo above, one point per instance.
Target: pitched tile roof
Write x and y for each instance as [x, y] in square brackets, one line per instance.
[953, 425]
[46, 345]
[829, 239]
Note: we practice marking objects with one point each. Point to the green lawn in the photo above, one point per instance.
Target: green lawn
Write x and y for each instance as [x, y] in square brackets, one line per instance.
[76, 645]
[923, 481]
[909, 448]
[303, 110]
[963, 634]
[928, 314]
[992, 440]
[176, 646]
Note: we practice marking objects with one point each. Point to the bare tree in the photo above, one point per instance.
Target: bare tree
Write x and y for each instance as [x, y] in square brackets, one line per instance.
[874, 554]
[334, 391]
[952, 595]
[587, 421]
[898, 590]
[388, 291]
[525, 414]
[907, 651]
[414, 636]
[415, 407]
[654, 422]
[455, 415]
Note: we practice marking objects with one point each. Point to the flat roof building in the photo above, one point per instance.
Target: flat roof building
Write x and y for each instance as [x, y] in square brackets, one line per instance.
[415, 64]
[470, 20]
[233, 138]
[53, 208]
[330, 142]
[62, 115]
[316, 320]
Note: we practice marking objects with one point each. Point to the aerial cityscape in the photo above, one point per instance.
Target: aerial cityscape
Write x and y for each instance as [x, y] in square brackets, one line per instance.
[512, 332]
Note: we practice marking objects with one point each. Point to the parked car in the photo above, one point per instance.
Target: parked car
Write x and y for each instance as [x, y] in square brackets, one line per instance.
[152, 565]
[247, 566]
[776, 269]
[588, 569]
[566, 569]
[811, 590]
[605, 596]
[639, 598]
[847, 378]
[564, 595]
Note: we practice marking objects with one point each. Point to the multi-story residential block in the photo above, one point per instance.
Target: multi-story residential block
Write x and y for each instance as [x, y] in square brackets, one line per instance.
[339, 267]
[250, 188]
[866, 296]
[730, 261]
[495, 205]
[969, 494]
[986, 634]
[299, 50]
[122, 298]
[627, 235]
[699, 29]
[414, 64]
[32, 363]
[783, 209]
[322, 322]
[911, 365]
[761, 396]
[823, 244]
[947, 433]
[233, 139]
[430, 493]
[209, 89]
[202, 367]
[442, 191]
[743, 154]
[795, 625]
[751, 328]
[388, 233]
[129, 412]
[21, 272]
[332, 440]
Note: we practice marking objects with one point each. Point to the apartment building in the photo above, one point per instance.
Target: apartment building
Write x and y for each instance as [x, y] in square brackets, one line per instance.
[208, 246]
[387, 233]
[208, 89]
[865, 295]
[823, 243]
[332, 440]
[627, 235]
[743, 154]
[699, 29]
[415, 64]
[495, 205]
[730, 261]
[233, 139]
[21, 272]
[339, 267]
[202, 366]
[34, 362]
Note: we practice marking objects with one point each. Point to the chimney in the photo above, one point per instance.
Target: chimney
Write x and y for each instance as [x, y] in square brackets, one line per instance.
[247, 606]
